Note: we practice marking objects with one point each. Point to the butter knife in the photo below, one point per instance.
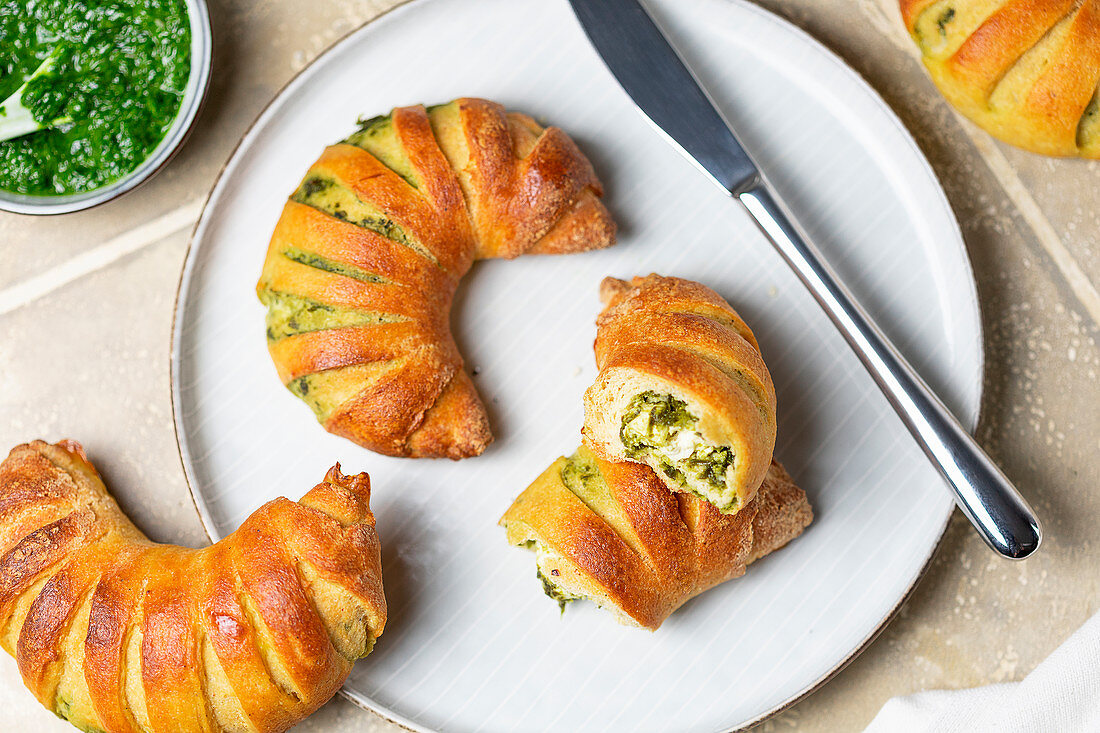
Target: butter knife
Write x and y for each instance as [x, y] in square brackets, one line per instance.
[666, 91]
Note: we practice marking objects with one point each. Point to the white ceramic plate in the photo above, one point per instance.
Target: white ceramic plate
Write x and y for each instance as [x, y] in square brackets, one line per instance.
[472, 643]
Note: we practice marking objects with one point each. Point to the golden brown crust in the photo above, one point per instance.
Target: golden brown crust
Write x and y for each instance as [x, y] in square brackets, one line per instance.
[645, 551]
[1025, 70]
[676, 336]
[117, 633]
[465, 181]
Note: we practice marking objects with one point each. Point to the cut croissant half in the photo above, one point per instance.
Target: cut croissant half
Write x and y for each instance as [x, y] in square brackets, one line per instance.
[365, 259]
[681, 388]
[118, 634]
[613, 533]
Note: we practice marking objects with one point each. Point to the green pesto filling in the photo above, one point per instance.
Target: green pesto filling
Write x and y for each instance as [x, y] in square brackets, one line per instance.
[946, 17]
[650, 427]
[63, 708]
[667, 416]
[931, 27]
[549, 587]
[553, 591]
[1090, 120]
[337, 268]
[304, 388]
[289, 315]
[379, 138]
[580, 475]
[331, 197]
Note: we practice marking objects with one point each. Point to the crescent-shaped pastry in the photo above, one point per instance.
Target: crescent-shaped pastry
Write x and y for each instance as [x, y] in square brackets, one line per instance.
[682, 388]
[1027, 71]
[118, 634]
[613, 533]
[364, 262]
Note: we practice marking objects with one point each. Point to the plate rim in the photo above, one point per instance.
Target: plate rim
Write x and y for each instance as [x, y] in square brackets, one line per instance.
[970, 420]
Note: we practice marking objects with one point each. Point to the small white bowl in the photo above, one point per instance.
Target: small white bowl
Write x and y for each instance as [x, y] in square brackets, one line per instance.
[202, 46]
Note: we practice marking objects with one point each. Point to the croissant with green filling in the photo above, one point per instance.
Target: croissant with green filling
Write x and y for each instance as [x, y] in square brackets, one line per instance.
[613, 533]
[364, 262]
[1027, 71]
[682, 388]
[118, 634]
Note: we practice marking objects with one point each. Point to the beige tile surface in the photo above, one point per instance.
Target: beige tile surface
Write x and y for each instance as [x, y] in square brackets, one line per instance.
[89, 359]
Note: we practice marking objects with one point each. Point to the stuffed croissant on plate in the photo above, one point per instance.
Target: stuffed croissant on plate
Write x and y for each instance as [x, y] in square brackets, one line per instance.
[613, 533]
[682, 388]
[365, 260]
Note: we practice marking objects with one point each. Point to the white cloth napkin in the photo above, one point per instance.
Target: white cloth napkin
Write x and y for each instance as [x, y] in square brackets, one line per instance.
[1062, 694]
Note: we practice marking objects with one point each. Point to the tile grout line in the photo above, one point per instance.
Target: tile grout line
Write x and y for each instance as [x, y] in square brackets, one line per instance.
[879, 12]
[20, 294]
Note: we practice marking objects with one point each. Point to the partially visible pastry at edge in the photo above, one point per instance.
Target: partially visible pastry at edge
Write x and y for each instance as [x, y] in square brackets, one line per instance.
[364, 262]
[681, 388]
[1027, 71]
[613, 533]
[115, 633]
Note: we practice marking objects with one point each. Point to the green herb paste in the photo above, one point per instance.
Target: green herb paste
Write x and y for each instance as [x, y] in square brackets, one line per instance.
[947, 17]
[119, 71]
[660, 427]
[551, 589]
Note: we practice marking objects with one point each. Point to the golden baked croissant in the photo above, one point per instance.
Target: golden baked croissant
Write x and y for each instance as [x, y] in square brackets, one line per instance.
[1025, 70]
[613, 533]
[116, 633]
[366, 257]
[682, 388]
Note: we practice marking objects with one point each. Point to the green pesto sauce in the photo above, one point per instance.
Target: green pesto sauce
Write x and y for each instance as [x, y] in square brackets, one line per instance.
[549, 587]
[121, 71]
[667, 417]
[332, 197]
[553, 591]
[379, 138]
[316, 261]
[289, 315]
[941, 22]
[578, 474]
[1089, 121]
[63, 708]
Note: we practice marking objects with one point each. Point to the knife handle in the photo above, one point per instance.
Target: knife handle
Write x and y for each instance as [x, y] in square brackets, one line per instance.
[982, 491]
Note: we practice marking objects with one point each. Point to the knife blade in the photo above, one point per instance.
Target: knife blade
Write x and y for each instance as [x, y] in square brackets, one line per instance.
[634, 48]
[663, 87]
